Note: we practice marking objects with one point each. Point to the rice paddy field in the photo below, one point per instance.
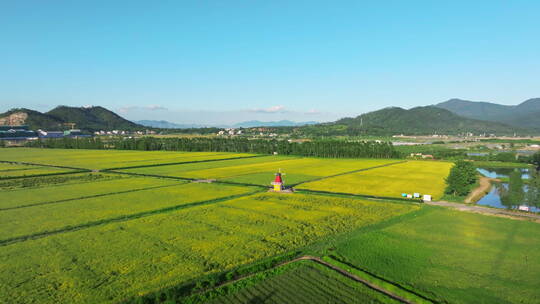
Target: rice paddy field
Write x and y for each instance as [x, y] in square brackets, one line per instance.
[257, 170]
[151, 222]
[451, 256]
[105, 159]
[422, 177]
[10, 170]
[107, 263]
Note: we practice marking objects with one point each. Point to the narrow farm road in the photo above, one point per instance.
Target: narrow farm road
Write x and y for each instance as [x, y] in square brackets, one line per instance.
[489, 211]
[481, 190]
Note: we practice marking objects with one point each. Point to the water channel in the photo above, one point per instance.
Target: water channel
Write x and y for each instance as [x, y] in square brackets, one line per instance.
[519, 189]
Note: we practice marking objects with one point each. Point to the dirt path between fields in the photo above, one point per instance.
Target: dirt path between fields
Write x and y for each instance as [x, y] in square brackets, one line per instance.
[523, 216]
[481, 190]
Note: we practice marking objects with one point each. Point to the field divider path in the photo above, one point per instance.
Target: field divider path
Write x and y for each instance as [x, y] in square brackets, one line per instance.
[372, 197]
[350, 172]
[323, 263]
[43, 165]
[191, 179]
[517, 215]
[87, 197]
[182, 162]
[45, 174]
[123, 218]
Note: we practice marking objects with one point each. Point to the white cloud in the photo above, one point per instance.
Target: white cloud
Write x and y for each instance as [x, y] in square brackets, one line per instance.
[270, 110]
[313, 112]
[155, 108]
[128, 109]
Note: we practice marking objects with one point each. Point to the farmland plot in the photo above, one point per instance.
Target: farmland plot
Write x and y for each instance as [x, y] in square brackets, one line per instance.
[425, 177]
[102, 159]
[8, 170]
[166, 249]
[39, 219]
[51, 180]
[454, 257]
[301, 282]
[260, 170]
[51, 193]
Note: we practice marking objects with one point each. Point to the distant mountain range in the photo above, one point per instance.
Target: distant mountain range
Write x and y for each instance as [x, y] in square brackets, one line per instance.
[454, 116]
[163, 124]
[281, 123]
[246, 124]
[63, 117]
[524, 115]
[416, 121]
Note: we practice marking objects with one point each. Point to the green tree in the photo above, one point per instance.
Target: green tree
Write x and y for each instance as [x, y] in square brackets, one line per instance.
[535, 159]
[461, 178]
[514, 195]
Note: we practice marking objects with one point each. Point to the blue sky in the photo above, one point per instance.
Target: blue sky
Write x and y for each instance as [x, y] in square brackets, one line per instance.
[227, 61]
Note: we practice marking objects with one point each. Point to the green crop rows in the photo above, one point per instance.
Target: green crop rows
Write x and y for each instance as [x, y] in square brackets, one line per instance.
[302, 282]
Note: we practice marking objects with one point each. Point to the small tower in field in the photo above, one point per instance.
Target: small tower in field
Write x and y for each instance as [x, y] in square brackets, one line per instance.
[278, 183]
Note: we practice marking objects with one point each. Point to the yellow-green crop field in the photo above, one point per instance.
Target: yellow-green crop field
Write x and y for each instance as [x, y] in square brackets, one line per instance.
[111, 262]
[108, 183]
[103, 159]
[423, 177]
[8, 170]
[261, 169]
[22, 222]
[105, 237]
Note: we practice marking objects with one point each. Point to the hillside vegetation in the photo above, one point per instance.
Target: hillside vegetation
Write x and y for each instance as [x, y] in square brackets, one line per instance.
[85, 118]
[524, 115]
[419, 120]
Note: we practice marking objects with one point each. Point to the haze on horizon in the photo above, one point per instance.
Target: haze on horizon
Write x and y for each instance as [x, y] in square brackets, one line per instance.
[215, 62]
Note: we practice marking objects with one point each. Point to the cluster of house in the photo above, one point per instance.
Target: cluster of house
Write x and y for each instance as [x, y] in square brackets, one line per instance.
[230, 131]
[122, 132]
[24, 133]
[233, 131]
[420, 155]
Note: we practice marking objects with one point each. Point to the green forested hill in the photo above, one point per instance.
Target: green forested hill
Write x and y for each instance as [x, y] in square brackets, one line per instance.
[524, 115]
[33, 119]
[420, 120]
[85, 118]
[93, 118]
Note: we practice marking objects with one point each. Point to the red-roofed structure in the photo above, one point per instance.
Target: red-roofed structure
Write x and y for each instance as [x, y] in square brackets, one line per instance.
[278, 182]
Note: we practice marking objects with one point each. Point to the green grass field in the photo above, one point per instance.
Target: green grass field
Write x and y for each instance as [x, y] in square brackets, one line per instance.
[301, 282]
[453, 257]
[103, 159]
[425, 177]
[164, 249]
[260, 170]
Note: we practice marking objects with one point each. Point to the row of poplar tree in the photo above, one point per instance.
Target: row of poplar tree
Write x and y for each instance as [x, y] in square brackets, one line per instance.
[320, 148]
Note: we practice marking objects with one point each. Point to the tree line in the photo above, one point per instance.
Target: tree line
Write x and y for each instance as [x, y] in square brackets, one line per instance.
[318, 148]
